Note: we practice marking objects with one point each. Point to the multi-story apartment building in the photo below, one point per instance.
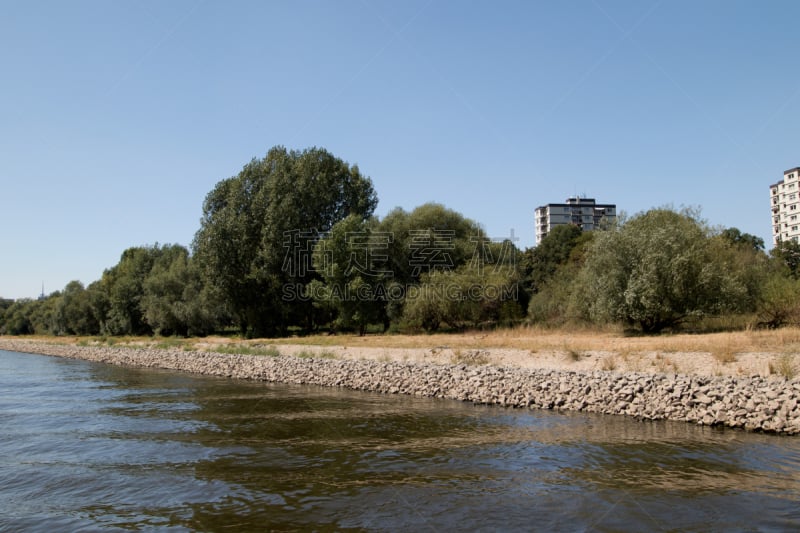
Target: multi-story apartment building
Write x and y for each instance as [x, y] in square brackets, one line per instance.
[786, 207]
[583, 212]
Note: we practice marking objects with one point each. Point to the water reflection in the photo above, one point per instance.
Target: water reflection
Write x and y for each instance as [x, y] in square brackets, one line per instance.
[93, 445]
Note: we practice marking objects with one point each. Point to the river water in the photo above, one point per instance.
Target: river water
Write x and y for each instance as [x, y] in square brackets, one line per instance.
[86, 446]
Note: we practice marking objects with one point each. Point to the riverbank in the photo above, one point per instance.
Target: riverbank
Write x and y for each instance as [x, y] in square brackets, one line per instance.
[756, 403]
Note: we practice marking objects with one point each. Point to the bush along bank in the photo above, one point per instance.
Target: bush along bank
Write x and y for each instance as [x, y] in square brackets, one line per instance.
[770, 405]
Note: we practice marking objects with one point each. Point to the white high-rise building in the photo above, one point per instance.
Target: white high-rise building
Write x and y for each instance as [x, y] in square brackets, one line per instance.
[582, 212]
[786, 207]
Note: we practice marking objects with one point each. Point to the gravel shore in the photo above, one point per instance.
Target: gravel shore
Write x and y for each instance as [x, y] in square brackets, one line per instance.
[755, 403]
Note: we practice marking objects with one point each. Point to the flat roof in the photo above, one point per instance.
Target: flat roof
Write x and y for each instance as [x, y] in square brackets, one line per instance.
[577, 205]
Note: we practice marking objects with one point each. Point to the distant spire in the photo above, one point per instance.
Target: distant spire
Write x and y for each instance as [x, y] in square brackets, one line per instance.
[42, 296]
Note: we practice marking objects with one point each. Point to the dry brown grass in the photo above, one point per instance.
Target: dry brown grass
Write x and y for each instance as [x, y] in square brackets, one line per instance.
[784, 365]
[724, 346]
[725, 352]
[609, 363]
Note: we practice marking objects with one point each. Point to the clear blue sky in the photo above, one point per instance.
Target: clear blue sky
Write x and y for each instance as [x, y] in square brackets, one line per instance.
[117, 118]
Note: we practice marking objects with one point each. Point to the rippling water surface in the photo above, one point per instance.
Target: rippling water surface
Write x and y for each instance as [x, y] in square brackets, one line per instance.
[90, 446]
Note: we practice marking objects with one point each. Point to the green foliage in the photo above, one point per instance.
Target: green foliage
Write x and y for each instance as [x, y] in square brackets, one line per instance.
[289, 244]
[469, 297]
[553, 303]
[44, 315]
[74, 311]
[258, 230]
[780, 302]
[123, 288]
[162, 292]
[658, 269]
[542, 261]
[745, 240]
[153, 289]
[17, 318]
[423, 268]
[174, 300]
[4, 305]
[353, 263]
[431, 237]
[786, 255]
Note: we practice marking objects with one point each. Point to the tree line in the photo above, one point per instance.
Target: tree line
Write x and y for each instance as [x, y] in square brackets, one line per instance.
[291, 245]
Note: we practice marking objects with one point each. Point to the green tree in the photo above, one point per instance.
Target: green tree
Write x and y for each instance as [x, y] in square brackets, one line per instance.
[542, 261]
[429, 238]
[786, 255]
[556, 292]
[745, 240]
[43, 315]
[162, 292]
[353, 263]
[469, 297]
[123, 287]
[99, 304]
[432, 238]
[5, 303]
[368, 267]
[74, 312]
[657, 270]
[17, 317]
[259, 227]
[174, 300]
[780, 302]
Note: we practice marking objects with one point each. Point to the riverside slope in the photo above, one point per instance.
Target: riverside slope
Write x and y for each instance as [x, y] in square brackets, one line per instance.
[753, 403]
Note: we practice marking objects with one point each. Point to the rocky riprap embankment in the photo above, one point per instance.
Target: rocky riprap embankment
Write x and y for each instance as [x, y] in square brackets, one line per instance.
[752, 403]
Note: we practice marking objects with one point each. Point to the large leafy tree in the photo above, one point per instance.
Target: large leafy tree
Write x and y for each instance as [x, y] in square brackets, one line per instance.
[431, 238]
[552, 275]
[744, 240]
[141, 282]
[17, 317]
[542, 261]
[658, 269]
[352, 261]
[779, 302]
[174, 300]
[5, 303]
[434, 259]
[123, 287]
[474, 295]
[258, 231]
[786, 255]
[74, 311]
